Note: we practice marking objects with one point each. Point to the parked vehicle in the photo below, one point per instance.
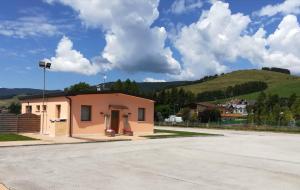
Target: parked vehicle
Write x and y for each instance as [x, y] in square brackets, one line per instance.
[174, 119]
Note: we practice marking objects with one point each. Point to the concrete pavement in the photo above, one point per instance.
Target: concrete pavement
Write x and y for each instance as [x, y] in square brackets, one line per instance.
[237, 160]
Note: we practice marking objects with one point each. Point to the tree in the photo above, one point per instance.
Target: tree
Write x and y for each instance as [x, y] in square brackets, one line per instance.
[118, 85]
[275, 110]
[164, 110]
[14, 108]
[186, 114]
[292, 100]
[296, 108]
[210, 115]
[79, 87]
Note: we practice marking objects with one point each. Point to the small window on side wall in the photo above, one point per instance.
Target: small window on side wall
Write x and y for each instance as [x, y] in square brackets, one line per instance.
[58, 111]
[28, 109]
[38, 108]
[141, 114]
[86, 113]
[44, 108]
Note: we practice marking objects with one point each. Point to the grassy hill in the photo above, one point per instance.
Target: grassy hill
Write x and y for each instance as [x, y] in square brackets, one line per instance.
[8, 101]
[279, 83]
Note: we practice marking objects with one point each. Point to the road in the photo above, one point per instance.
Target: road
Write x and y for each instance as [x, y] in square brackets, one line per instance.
[237, 160]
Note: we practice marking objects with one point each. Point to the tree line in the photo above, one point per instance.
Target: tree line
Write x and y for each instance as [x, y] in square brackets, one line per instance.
[231, 91]
[276, 69]
[274, 110]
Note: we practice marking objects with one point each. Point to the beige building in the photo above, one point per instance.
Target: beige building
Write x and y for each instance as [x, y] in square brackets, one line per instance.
[91, 113]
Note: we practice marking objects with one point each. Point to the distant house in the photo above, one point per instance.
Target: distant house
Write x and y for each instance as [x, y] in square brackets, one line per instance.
[91, 113]
[235, 108]
[199, 107]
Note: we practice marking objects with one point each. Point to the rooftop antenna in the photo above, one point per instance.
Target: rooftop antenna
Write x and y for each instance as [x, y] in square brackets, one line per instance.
[104, 80]
[102, 87]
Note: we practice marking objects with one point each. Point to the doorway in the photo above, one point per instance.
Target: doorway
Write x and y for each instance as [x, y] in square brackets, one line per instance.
[115, 120]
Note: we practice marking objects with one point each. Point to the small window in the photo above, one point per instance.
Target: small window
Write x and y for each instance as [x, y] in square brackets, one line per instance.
[28, 109]
[86, 113]
[38, 108]
[44, 108]
[58, 111]
[141, 114]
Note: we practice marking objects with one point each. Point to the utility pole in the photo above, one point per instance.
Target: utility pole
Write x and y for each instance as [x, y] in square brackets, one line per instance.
[44, 65]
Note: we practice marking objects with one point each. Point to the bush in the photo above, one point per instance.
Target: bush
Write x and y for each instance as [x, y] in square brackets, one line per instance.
[14, 108]
[207, 115]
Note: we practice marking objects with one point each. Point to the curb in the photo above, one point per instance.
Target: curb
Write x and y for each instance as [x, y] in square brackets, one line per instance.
[100, 141]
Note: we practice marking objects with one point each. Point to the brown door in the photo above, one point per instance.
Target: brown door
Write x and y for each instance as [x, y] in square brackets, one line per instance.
[115, 120]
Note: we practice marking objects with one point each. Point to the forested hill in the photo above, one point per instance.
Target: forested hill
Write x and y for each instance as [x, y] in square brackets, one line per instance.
[278, 83]
[6, 93]
[148, 87]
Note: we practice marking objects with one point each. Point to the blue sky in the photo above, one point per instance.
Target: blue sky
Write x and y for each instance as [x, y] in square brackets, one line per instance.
[144, 40]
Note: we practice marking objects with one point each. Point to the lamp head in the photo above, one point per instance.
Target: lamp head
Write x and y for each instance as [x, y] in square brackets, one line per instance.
[44, 64]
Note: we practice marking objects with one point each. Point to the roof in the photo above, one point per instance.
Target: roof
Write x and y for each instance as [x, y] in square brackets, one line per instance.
[232, 115]
[206, 104]
[67, 94]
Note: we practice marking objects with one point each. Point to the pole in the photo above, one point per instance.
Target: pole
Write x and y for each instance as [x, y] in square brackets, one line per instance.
[43, 110]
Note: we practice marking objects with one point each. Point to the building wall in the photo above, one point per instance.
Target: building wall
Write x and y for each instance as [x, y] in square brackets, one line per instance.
[100, 107]
[50, 119]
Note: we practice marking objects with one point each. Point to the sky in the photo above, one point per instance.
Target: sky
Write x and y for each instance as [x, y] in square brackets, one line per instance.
[143, 40]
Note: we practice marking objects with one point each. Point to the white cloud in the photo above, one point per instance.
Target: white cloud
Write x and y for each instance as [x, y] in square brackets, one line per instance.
[283, 45]
[28, 26]
[206, 44]
[218, 38]
[149, 79]
[132, 44]
[69, 60]
[286, 7]
[182, 6]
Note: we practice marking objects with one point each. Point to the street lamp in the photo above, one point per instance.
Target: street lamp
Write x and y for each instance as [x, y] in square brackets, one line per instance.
[44, 65]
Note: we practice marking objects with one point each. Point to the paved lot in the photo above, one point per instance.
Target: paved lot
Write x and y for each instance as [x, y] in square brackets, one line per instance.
[237, 160]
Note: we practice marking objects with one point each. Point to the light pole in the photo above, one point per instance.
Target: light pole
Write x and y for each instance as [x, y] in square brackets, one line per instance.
[44, 65]
[280, 115]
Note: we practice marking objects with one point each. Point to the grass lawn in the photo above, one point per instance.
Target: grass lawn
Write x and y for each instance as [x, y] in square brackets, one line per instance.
[172, 134]
[262, 128]
[14, 137]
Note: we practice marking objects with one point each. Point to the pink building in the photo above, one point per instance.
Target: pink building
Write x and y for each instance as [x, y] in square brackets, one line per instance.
[91, 113]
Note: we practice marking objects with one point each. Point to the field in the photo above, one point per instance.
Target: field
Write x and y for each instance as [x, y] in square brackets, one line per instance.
[7, 102]
[278, 83]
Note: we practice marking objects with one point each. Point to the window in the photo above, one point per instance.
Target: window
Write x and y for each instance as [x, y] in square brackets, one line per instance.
[141, 114]
[38, 108]
[44, 108]
[58, 111]
[86, 113]
[28, 109]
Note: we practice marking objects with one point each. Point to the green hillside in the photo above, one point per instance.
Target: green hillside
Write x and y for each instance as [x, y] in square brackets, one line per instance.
[8, 101]
[279, 83]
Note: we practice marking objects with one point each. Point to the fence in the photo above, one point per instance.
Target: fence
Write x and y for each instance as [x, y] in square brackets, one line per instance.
[8, 123]
[11, 123]
[245, 126]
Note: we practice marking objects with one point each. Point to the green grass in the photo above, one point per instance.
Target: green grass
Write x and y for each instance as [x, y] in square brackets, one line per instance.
[282, 84]
[14, 137]
[7, 102]
[173, 134]
[260, 128]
